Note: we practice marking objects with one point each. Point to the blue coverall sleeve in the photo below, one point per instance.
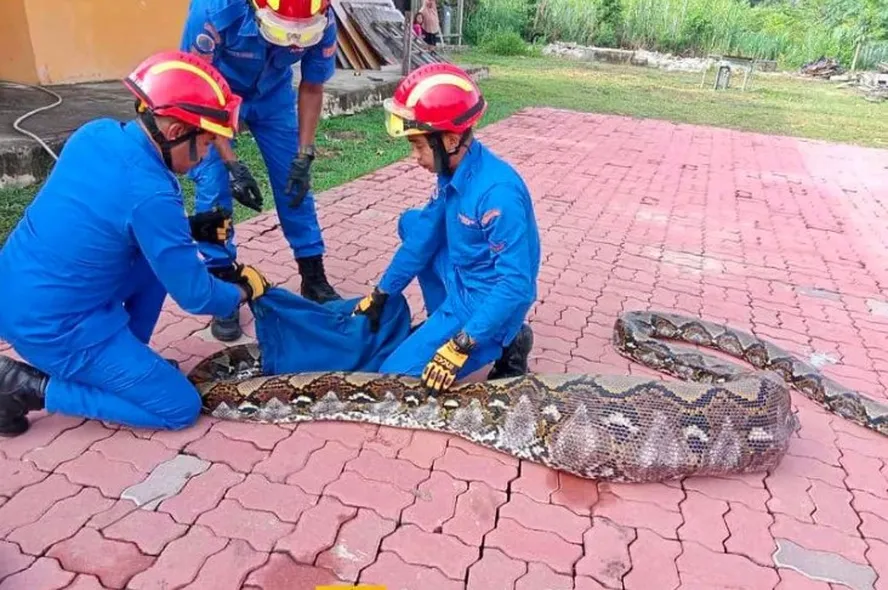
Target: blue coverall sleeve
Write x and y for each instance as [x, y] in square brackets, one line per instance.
[504, 223]
[199, 36]
[417, 248]
[319, 62]
[161, 229]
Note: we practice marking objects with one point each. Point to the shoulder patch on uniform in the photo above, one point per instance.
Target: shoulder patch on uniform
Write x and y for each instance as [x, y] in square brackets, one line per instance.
[330, 50]
[205, 43]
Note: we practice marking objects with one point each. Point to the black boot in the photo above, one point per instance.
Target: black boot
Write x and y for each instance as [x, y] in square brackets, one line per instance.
[513, 361]
[22, 389]
[227, 329]
[315, 285]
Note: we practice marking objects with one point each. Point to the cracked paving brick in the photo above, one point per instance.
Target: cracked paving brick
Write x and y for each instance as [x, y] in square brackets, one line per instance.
[41, 433]
[495, 570]
[703, 520]
[287, 502]
[435, 501]
[316, 530]
[384, 498]
[143, 454]
[239, 455]
[61, 521]
[444, 552]
[545, 517]
[356, 544]
[540, 576]
[68, 445]
[280, 572]
[201, 493]
[606, 552]
[12, 559]
[180, 561]
[94, 469]
[44, 573]
[324, 466]
[228, 569]
[575, 493]
[260, 529]
[114, 563]
[400, 473]
[521, 543]
[750, 533]
[289, 456]
[653, 562]
[701, 566]
[265, 437]
[475, 513]
[149, 531]
[391, 571]
[535, 481]
[33, 501]
[15, 474]
[424, 448]
[85, 582]
[462, 465]
[639, 515]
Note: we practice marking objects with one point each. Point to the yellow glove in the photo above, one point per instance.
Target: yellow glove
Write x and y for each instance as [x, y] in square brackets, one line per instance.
[439, 375]
[371, 306]
[252, 281]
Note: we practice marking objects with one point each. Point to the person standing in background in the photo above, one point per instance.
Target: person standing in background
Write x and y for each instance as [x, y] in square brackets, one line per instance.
[431, 24]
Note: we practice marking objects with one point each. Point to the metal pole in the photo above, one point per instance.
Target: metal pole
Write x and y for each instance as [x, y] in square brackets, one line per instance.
[408, 43]
[459, 27]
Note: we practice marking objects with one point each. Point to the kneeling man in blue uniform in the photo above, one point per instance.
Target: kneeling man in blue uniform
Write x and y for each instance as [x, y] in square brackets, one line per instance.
[85, 272]
[474, 247]
[255, 44]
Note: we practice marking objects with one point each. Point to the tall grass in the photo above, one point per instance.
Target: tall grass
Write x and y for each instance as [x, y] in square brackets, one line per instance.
[792, 32]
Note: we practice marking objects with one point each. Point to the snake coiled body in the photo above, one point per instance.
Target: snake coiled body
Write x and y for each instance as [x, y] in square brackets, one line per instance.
[720, 419]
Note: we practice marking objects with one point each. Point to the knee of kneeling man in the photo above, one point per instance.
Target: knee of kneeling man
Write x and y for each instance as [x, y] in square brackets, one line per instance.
[186, 412]
[407, 221]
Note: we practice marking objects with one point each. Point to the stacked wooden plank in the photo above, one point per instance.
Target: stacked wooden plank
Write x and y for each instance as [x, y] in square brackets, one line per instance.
[371, 37]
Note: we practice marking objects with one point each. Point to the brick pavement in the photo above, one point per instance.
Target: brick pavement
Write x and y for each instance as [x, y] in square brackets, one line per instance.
[778, 235]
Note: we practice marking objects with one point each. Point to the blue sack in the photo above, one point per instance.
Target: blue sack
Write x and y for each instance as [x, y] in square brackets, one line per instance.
[297, 335]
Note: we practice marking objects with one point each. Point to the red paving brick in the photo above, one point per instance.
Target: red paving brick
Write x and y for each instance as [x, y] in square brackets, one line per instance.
[776, 235]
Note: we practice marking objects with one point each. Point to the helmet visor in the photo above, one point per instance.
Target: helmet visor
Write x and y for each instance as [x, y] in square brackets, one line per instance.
[399, 120]
[303, 32]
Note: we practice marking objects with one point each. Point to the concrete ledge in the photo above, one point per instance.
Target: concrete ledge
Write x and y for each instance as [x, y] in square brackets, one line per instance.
[24, 162]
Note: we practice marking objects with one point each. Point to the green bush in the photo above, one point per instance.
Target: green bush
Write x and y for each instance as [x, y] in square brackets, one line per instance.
[504, 43]
[791, 31]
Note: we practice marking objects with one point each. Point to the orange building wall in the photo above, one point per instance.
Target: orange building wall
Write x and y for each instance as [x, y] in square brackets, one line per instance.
[16, 55]
[93, 40]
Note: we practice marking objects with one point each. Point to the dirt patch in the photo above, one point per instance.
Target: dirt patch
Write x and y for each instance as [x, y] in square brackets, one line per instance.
[349, 135]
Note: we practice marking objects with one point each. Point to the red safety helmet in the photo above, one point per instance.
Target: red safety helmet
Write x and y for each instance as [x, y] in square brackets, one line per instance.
[433, 98]
[185, 87]
[288, 23]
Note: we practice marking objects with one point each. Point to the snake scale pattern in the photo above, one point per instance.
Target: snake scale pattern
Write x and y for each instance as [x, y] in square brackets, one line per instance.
[718, 418]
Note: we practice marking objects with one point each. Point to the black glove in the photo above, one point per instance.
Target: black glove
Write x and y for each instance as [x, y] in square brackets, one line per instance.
[299, 180]
[210, 226]
[243, 186]
[371, 306]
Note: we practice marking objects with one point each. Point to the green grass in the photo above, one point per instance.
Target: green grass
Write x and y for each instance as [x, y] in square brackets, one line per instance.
[352, 146]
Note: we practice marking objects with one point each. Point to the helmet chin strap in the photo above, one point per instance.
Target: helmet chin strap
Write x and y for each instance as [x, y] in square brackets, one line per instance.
[165, 144]
[442, 156]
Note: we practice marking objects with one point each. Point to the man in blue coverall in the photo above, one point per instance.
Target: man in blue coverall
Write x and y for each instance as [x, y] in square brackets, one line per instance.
[474, 247]
[85, 272]
[255, 43]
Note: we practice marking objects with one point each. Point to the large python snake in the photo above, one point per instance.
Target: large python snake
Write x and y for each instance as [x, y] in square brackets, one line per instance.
[718, 419]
